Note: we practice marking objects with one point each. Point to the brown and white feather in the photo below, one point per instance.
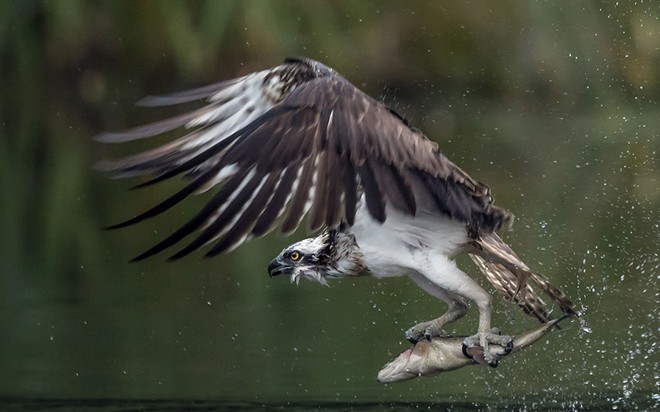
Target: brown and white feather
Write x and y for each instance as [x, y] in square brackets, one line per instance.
[511, 277]
[293, 141]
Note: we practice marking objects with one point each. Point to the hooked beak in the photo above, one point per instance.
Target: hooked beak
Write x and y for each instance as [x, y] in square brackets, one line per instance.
[276, 267]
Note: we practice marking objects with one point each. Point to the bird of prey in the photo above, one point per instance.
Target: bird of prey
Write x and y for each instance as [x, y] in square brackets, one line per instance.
[299, 140]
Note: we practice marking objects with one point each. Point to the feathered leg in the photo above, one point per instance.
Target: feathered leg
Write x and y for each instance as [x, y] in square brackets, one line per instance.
[443, 274]
[457, 308]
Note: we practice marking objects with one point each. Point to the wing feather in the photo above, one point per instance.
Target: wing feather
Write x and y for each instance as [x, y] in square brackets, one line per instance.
[246, 219]
[334, 191]
[350, 190]
[200, 218]
[318, 142]
[149, 130]
[319, 205]
[277, 203]
[191, 95]
[226, 215]
[300, 198]
[393, 184]
[169, 202]
[373, 195]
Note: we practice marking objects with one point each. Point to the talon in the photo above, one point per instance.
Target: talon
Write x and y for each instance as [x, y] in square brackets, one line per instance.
[465, 351]
[471, 341]
[410, 338]
[484, 340]
[424, 330]
[508, 348]
[413, 335]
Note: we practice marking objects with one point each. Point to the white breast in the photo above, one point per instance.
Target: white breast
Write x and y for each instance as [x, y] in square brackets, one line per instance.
[394, 247]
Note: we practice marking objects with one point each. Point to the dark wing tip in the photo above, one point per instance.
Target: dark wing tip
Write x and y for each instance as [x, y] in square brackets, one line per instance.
[183, 252]
[119, 225]
[147, 253]
[153, 250]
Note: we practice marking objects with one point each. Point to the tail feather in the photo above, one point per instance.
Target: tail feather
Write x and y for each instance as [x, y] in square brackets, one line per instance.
[511, 288]
[511, 277]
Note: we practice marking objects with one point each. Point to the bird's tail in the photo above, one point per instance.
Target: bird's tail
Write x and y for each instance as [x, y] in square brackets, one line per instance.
[511, 277]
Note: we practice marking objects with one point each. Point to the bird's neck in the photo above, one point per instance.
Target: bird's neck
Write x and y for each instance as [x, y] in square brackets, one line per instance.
[342, 255]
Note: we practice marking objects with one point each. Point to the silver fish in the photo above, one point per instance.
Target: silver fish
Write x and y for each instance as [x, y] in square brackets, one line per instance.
[444, 354]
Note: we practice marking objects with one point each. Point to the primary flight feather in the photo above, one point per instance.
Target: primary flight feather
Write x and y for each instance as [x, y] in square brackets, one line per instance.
[298, 140]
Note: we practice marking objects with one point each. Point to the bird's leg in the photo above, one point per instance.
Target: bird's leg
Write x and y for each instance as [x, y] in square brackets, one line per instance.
[437, 273]
[456, 310]
[487, 335]
[427, 330]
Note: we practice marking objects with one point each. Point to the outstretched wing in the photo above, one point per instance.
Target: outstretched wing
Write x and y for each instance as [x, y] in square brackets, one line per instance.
[511, 277]
[295, 140]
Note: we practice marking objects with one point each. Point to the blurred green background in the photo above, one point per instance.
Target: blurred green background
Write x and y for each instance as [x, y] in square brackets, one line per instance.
[555, 105]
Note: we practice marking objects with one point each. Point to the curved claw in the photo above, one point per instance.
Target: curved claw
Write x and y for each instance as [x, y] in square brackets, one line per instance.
[424, 331]
[413, 335]
[483, 340]
[509, 348]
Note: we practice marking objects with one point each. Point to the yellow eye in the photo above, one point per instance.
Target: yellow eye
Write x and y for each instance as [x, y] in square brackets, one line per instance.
[295, 256]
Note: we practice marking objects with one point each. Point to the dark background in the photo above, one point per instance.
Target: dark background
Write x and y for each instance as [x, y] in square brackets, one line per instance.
[552, 104]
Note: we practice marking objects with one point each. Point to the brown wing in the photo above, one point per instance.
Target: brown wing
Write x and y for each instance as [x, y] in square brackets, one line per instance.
[510, 276]
[291, 141]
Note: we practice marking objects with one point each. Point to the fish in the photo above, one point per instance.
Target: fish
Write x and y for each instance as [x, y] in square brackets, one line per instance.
[444, 354]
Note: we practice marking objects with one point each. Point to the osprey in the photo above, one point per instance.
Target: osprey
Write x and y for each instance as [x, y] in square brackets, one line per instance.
[299, 140]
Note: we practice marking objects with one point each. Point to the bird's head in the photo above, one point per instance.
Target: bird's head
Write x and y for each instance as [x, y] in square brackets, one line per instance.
[305, 259]
[332, 254]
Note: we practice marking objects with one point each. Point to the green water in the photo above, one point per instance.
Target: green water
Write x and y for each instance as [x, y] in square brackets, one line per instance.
[554, 105]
